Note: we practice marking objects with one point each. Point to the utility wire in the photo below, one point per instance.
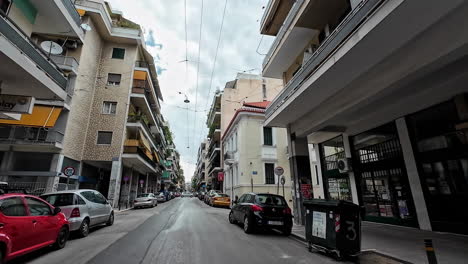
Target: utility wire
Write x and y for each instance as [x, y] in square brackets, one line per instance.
[186, 71]
[198, 65]
[215, 58]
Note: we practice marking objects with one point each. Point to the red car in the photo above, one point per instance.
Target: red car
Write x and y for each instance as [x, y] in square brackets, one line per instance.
[28, 223]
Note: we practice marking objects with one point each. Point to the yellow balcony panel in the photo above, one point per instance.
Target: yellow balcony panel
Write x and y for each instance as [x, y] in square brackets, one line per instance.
[131, 143]
[140, 75]
[41, 116]
[81, 11]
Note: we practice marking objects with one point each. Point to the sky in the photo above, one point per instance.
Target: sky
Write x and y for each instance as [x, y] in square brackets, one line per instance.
[240, 48]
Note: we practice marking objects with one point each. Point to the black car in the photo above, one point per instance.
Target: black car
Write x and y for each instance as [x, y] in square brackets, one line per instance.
[262, 210]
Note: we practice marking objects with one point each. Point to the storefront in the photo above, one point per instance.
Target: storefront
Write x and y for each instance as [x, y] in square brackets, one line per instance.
[440, 144]
[336, 183]
[382, 180]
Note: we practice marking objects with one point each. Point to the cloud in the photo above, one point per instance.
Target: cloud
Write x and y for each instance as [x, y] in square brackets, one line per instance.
[165, 23]
[151, 42]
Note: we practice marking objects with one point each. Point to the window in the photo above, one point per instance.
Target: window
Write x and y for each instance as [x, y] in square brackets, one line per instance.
[104, 138]
[100, 198]
[37, 208]
[242, 198]
[79, 200]
[12, 207]
[5, 5]
[109, 108]
[118, 53]
[264, 91]
[270, 200]
[89, 195]
[114, 79]
[267, 136]
[269, 173]
[63, 199]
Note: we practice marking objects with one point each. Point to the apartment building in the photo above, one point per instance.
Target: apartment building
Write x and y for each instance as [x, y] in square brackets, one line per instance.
[251, 153]
[200, 173]
[246, 87]
[375, 105]
[40, 42]
[111, 135]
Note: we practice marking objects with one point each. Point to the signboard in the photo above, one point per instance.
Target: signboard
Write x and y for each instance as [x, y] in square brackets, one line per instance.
[69, 171]
[220, 176]
[305, 190]
[279, 171]
[319, 224]
[16, 104]
[254, 172]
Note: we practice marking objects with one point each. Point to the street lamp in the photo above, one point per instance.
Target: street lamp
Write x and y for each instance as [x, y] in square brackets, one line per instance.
[187, 101]
[186, 98]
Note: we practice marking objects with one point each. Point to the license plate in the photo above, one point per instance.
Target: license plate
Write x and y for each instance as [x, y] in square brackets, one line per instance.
[275, 223]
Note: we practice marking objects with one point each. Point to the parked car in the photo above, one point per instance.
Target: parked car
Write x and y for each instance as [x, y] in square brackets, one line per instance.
[262, 210]
[28, 223]
[161, 197]
[221, 199]
[201, 195]
[208, 199]
[187, 194]
[83, 208]
[177, 194]
[145, 200]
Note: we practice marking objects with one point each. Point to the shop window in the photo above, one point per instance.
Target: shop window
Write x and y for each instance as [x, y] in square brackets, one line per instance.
[118, 53]
[109, 108]
[269, 173]
[114, 79]
[104, 138]
[268, 136]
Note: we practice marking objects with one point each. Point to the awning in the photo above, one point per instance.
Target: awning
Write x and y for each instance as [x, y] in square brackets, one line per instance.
[41, 116]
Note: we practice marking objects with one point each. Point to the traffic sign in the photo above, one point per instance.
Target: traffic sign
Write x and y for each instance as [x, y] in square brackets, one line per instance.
[69, 171]
[279, 171]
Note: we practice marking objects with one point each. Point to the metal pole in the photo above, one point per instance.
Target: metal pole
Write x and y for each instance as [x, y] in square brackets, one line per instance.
[277, 187]
[431, 257]
[283, 190]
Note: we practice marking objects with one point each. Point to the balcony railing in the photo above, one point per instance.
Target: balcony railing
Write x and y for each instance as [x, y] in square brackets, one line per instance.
[72, 10]
[141, 64]
[65, 62]
[143, 121]
[18, 38]
[34, 135]
[349, 24]
[140, 152]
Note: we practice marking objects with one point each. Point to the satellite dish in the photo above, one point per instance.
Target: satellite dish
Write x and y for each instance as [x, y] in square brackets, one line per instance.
[85, 27]
[51, 47]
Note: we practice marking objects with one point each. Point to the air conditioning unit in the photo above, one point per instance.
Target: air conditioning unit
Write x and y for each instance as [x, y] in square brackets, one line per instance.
[344, 165]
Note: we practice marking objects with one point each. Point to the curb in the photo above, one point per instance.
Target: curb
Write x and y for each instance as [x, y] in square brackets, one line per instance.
[121, 211]
[301, 238]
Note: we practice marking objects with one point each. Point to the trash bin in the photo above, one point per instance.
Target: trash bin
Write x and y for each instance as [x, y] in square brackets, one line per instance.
[333, 227]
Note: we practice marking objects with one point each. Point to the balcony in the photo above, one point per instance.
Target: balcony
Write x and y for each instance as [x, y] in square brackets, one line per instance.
[215, 117]
[25, 66]
[137, 157]
[274, 16]
[66, 63]
[32, 136]
[349, 24]
[72, 11]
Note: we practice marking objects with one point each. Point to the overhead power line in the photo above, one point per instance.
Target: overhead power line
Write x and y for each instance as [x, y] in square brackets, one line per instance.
[198, 65]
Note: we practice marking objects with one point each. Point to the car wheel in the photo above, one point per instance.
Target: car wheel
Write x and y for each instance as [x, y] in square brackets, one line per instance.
[248, 226]
[231, 218]
[111, 219]
[62, 238]
[84, 228]
[286, 231]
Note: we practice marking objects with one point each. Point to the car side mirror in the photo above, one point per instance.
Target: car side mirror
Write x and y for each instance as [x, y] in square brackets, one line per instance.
[57, 210]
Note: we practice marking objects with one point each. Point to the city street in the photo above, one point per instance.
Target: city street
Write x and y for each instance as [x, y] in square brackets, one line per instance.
[183, 230]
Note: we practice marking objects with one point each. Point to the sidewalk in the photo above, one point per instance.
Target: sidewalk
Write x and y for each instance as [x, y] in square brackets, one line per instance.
[408, 243]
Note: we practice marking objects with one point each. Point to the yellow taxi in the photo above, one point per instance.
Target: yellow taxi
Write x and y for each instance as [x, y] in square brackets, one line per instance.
[221, 199]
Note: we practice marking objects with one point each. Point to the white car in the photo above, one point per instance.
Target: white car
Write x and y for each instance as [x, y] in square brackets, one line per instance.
[83, 208]
[145, 200]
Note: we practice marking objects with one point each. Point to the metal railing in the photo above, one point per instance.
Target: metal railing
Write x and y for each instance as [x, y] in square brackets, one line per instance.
[17, 37]
[141, 153]
[268, 6]
[67, 61]
[72, 10]
[349, 24]
[38, 135]
[141, 64]
[33, 188]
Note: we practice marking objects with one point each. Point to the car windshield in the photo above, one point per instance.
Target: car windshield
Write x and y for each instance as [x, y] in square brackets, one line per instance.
[143, 195]
[266, 199]
[62, 199]
[222, 195]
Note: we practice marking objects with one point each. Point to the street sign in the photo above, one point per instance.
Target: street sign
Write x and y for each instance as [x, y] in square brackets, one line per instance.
[279, 171]
[254, 172]
[69, 171]
[16, 104]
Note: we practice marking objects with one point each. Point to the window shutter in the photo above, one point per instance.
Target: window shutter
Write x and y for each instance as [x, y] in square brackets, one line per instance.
[267, 136]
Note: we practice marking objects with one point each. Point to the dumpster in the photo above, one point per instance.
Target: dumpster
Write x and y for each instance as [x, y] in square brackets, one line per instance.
[333, 227]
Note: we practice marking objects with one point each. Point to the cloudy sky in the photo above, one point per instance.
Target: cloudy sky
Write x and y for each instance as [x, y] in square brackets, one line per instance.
[163, 22]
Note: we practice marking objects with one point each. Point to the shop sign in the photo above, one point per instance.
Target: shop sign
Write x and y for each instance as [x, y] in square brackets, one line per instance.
[16, 104]
[305, 190]
[220, 176]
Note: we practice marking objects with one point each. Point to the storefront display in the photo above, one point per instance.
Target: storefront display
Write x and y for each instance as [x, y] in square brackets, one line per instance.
[379, 167]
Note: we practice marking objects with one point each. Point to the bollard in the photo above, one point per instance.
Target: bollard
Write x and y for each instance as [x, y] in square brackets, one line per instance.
[431, 257]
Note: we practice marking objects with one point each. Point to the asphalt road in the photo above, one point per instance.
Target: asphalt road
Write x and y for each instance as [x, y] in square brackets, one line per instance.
[183, 230]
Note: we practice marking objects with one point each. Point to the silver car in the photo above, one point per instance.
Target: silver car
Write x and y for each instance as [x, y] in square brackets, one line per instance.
[160, 197]
[83, 208]
[145, 200]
